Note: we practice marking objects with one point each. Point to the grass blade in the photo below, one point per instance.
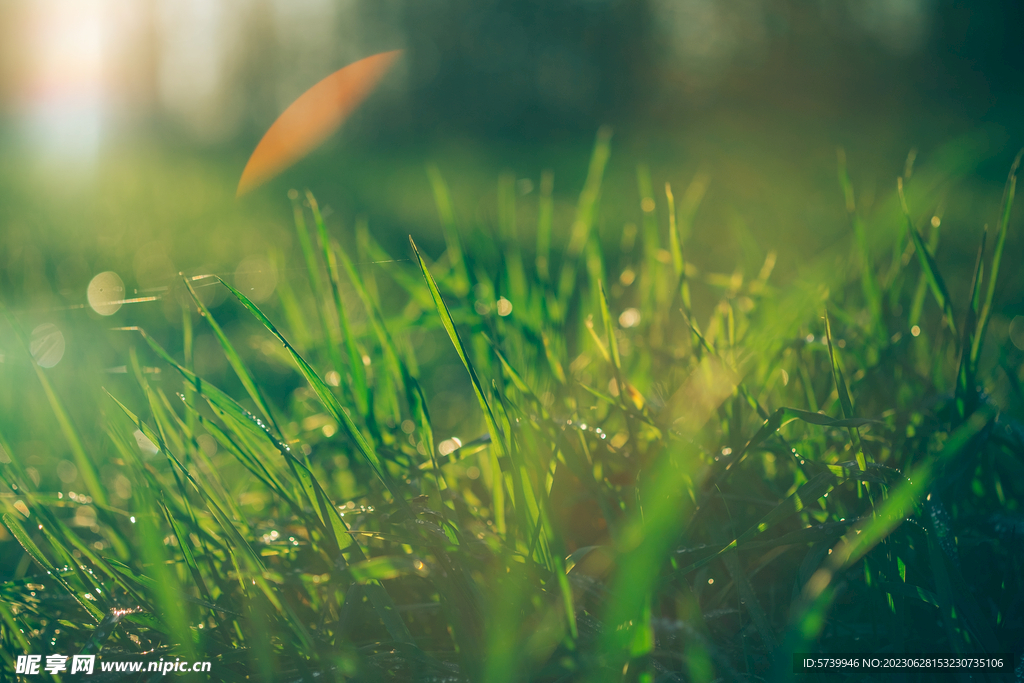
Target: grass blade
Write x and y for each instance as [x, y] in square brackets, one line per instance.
[844, 395]
[997, 257]
[323, 392]
[442, 198]
[83, 462]
[36, 554]
[965, 394]
[356, 369]
[236, 362]
[545, 213]
[586, 210]
[498, 436]
[869, 286]
[928, 265]
[316, 285]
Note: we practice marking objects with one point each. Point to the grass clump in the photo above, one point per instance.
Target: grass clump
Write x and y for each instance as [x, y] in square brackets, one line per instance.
[676, 474]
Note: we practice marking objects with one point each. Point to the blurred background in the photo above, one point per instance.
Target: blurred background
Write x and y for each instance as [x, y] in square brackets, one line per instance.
[105, 96]
[125, 124]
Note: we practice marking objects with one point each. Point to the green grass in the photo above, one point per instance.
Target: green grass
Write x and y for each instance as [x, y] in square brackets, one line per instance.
[662, 472]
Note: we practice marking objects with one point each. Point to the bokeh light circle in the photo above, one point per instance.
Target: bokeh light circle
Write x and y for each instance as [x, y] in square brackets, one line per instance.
[1017, 332]
[256, 277]
[106, 293]
[47, 345]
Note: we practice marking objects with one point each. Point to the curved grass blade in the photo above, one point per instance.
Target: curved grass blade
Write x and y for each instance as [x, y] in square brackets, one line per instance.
[36, 554]
[773, 424]
[254, 569]
[674, 243]
[186, 550]
[255, 466]
[233, 358]
[330, 402]
[809, 492]
[331, 524]
[928, 265]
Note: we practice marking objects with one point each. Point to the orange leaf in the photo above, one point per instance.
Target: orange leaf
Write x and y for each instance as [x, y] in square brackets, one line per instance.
[314, 117]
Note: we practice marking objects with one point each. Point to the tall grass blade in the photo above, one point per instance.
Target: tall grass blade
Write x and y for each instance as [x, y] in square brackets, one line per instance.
[844, 395]
[869, 286]
[356, 369]
[965, 394]
[442, 198]
[545, 214]
[586, 210]
[997, 257]
[316, 286]
[928, 265]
